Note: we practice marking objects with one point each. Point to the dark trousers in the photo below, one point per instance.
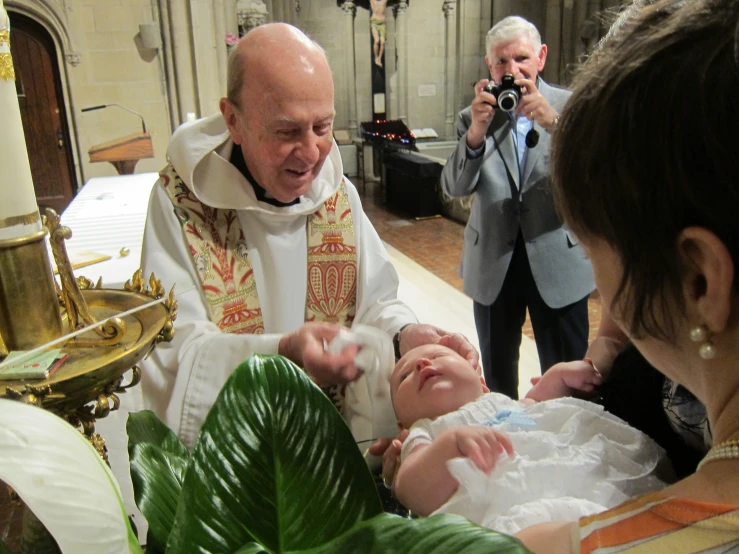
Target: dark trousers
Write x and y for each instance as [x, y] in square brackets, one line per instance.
[561, 334]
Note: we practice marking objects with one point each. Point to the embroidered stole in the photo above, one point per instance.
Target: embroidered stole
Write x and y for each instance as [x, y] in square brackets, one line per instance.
[219, 251]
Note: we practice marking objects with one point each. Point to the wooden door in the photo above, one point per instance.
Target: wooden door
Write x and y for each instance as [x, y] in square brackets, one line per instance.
[42, 111]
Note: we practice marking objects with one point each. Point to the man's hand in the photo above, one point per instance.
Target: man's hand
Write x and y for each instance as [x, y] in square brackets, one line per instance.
[417, 334]
[533, 105]
[482, 445]
[578, 378]
[483, 111]
[389, 449]
[305, 347]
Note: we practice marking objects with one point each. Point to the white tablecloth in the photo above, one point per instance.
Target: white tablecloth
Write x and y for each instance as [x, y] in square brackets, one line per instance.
[108, 214]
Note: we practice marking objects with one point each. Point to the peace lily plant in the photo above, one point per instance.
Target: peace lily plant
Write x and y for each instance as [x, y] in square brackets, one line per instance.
[275, 469]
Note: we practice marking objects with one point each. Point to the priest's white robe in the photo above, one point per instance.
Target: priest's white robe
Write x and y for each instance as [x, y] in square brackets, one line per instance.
[181, 379]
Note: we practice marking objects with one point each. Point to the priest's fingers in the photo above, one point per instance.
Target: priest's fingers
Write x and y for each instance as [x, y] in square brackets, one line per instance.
[327, 373]
[462, 346]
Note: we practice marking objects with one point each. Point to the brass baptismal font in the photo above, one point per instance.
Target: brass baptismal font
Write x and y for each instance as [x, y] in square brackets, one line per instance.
[104, 333]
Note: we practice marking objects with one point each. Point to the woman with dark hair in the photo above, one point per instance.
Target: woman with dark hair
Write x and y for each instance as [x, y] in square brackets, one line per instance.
[646, 175]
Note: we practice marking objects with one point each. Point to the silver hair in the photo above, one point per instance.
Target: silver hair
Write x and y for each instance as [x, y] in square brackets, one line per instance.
[510, 28]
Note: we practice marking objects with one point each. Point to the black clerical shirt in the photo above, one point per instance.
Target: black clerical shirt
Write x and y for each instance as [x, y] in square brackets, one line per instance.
[237, 159]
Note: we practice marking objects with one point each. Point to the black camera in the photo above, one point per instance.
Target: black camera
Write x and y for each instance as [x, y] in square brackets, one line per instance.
[507, 93]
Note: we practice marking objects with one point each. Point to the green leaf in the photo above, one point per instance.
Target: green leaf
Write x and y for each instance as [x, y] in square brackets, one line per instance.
[438, 534]
[251, 548]
[158, 464]
[145, 427]
[274, 464]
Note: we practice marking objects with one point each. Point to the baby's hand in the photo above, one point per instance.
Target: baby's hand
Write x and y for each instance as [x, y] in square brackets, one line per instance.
[565, 379]
[582, 377]
[482, 445]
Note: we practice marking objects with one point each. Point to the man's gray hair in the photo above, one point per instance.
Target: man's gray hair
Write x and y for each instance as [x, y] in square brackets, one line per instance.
[235, 76]
[511, 28]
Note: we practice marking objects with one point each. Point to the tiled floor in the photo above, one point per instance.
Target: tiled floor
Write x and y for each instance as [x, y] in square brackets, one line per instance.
[434, 243]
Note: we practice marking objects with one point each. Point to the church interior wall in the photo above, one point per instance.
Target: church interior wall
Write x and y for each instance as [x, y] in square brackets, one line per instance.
[106, 62]
[327, 24]
[113, 70]
[426, 77]
[474, 23]
[108, 68]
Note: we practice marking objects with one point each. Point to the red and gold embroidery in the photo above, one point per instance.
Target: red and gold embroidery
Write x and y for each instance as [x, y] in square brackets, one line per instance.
[332, 263]
[219, 251]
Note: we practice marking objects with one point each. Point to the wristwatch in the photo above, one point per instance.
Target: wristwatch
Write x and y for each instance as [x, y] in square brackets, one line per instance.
[396, 342]
[554, 124]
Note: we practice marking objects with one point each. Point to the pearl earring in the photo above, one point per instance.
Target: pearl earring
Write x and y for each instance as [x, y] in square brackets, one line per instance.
[700, 333]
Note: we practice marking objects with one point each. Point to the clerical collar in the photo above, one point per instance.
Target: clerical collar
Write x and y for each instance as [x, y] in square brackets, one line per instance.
[237, 159]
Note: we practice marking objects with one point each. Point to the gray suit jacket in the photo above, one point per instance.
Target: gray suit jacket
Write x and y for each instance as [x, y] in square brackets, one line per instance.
[562, 273]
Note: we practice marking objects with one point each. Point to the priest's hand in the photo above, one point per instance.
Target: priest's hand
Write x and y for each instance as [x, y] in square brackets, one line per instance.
[306, 347]
[417, 334]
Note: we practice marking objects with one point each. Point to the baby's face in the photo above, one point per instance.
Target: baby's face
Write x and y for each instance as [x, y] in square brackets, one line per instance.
[432, 380]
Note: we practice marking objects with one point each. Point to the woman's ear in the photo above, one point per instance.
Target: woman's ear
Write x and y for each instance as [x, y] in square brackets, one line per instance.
[485, 388]
[708, 277]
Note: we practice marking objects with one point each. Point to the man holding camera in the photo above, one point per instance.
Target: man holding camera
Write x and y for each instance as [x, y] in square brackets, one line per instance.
[517, 253]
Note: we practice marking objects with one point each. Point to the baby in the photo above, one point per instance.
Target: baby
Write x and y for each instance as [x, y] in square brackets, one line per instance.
[508, 464]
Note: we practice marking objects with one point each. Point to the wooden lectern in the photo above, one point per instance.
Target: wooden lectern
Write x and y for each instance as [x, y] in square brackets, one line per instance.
[123, 152]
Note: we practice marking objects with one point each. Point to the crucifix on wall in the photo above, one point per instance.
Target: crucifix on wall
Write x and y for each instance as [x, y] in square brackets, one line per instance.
[378, 37]
[378, 27]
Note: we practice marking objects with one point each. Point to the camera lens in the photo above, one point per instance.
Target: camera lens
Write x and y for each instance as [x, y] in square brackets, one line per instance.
[508, 100]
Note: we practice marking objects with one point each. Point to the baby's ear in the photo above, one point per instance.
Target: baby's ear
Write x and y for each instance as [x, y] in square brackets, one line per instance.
[485, 388]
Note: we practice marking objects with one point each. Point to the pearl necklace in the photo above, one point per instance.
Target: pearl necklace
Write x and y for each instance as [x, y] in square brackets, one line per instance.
[723, 451]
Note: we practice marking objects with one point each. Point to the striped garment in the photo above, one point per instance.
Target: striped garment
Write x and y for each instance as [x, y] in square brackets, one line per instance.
[657, 524]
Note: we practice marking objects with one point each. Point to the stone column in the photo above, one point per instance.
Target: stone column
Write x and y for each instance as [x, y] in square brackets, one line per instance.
[502, 8]
[203, 34]
[184, 61]
[251, 14]
[219, 23]
[463, 28]
[278, 13]
[230, 17]
[401, 45]
[450, 66]
[350, 11]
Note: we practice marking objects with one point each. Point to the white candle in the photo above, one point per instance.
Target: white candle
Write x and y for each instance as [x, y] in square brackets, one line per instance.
[18, 208]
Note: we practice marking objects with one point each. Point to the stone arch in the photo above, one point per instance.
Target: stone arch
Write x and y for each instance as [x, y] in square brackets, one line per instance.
[51, 15]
